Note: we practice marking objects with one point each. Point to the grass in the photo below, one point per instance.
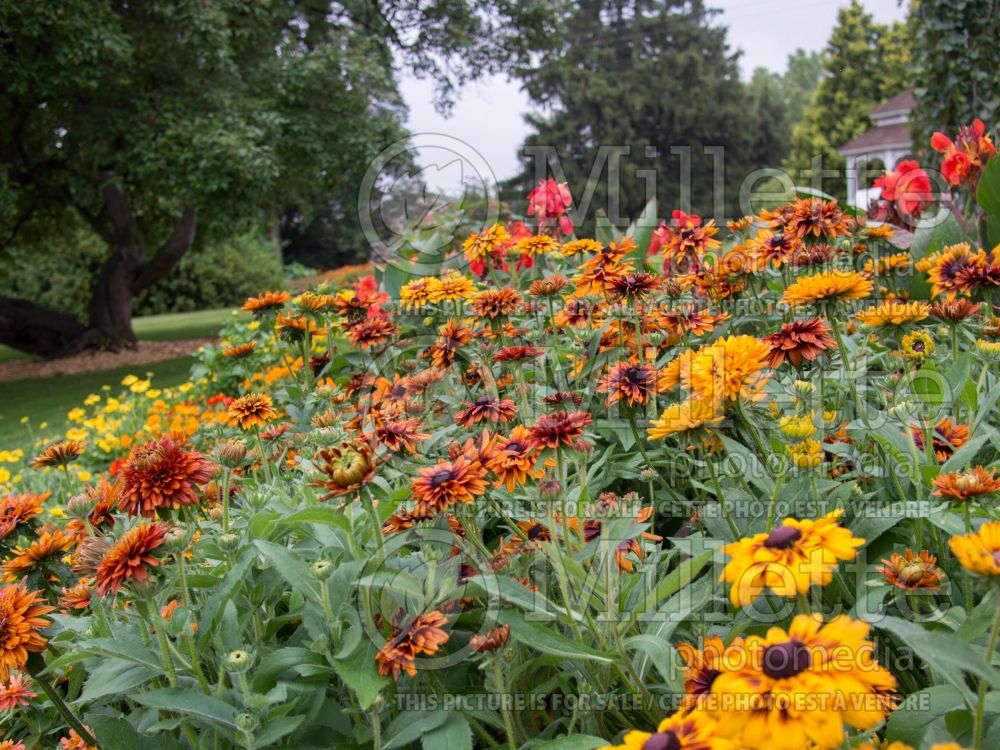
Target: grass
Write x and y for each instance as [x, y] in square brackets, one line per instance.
[168, 327]
[50, 400]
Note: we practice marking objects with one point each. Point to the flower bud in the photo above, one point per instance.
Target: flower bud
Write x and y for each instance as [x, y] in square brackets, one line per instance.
[229, 542]
[79, 506]
[246, 721]
[804, 389]
[232, 453]
[322, 569]
[238, 660]
[176, 539]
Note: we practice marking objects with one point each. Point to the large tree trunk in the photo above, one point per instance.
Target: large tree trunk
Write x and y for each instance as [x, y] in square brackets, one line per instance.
[31, 328]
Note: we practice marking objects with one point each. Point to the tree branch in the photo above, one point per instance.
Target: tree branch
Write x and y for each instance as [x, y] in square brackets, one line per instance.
[170, 252]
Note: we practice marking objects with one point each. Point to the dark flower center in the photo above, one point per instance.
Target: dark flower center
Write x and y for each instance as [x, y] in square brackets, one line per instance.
[918, 346]
[703, 682]
[441, 476]
[996, 558]
[484, 401]
[662, 741]
[535, 531]
[782, 537]
[514, 447]
[786, 660]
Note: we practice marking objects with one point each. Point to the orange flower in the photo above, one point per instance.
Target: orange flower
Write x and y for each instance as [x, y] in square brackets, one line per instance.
[59, 454]
[251, 410]
[633, 286]
[11, 745]
[129, 558]
[962, 485]
[401, 433]
[954, 311]
[21, 617]
[514, 460]
[486, 408]
[19, 509]
[371, 331]
[492, 641]
[948, 437]
[75, 742]
[703, 666]
[15, 693]
[49, 545]
[240, 350]
[548, 287]
[559, 428]
[422, 635]
[827, 286]
[819, 218]
[799, 340]
[446, 483]
[78, 595]
[497, 303]
[347, 467]
[266, 302]
[912, 571]
[161, 474]
[630, 381]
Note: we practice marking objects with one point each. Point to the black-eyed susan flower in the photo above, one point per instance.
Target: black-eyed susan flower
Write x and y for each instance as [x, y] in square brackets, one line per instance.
[22, 616]
[733, 367]
[963, 485]
[702, 666]
[482, 244]
[800, 688]
[440, 486]
[893, 312]
[251, 410]
[419, 636]
[628, 381]
[682, 731]
[827, 286]
[558, 428]
[979, 552]
[917, 346]
[948, 436]
[912, 571]
[691, 414]
[792, 557]
[798, 341]
[806, 454]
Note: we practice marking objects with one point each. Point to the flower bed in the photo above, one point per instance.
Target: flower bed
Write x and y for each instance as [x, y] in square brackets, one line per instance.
[674, 488]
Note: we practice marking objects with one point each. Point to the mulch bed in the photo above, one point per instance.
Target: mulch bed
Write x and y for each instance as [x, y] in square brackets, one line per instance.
[92, 361]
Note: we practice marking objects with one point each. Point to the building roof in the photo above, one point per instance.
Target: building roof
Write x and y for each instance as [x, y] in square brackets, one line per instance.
[878, 138]
[904, 101]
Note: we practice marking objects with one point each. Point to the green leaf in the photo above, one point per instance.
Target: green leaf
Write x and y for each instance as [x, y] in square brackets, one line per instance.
[909, 722]
[360, 673]
[932, 234]
[291, 567]
[570, 742]
[454, 734]
[212, 610]
[412, 725]
[115, 676]
[641, 230]
[659, 651]
[669, 585]
[290, 659]
[111, 732]
[988, 192]
[189, 703]
[547, 640]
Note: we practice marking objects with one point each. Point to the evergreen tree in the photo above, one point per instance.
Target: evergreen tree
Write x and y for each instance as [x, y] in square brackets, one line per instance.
[864, 63]
[646, 75]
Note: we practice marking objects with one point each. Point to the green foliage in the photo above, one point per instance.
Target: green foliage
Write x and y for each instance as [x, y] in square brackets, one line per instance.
[955, 69]
[864, 64]
[224, 274]
[648, 76]
[779, 100]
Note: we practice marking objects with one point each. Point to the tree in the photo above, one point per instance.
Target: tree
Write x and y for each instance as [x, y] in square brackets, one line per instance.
[864, 63]
[158, 123]
[955, 66]
[647, 75]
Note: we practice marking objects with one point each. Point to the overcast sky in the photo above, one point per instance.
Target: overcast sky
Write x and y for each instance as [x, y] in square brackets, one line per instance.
[489, 113]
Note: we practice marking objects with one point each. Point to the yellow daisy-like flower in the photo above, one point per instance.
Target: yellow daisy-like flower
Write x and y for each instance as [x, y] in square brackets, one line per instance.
[893, 312]
[455, 286]
[682, 731]
[806, 455]
[733, 367]
[487, 242]
[828, 286]
[539, 244]
[798, 689]
[685, 416]
[789, 560]
[421, 292]
[880, 232]
[797, 428]
[988, 348]
[917, 346]
[979, 552]
[889, 264]
[578, 247]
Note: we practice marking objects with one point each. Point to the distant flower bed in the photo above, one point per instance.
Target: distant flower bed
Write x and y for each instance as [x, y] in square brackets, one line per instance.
[683, 487]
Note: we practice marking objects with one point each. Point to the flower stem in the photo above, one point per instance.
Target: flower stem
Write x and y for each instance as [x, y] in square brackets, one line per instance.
[504, 703]
[35, 668]
[981, 705]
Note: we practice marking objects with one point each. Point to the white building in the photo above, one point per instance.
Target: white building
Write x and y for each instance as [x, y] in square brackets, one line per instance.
[880, 147]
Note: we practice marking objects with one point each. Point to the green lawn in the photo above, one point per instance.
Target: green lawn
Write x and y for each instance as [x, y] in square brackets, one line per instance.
[169, 327]
[50, 399]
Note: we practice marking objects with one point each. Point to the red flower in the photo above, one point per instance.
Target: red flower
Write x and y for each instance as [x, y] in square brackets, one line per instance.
[130, 557]
[799, 340]
[559, 428]
[908, 186]
[161, 474]
[965, 157]
[548, 203]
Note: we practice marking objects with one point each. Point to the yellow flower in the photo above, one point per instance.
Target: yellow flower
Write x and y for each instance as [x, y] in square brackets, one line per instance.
[4, 474]
[83, 476]
[43, 425]
[129, 379]
[806, 454]
[889, 264]
[682, 731]
[792, 557]
[894, 313]
[57, 512]
[576, 247]
[455, 286]
[917, 346]
[684, 416]
[139, 386]
[185, 387]
[990, 349]
[827, 286]
[92, 399]
[112, 405]
[153, 393]
[76, 433]
[537, 245]
[979, 552]
[421, 292]
[76, 415]
[253, 325]
[797, 428]
[488, 242]
[24, 420]
[798, 689]
[730, 368]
